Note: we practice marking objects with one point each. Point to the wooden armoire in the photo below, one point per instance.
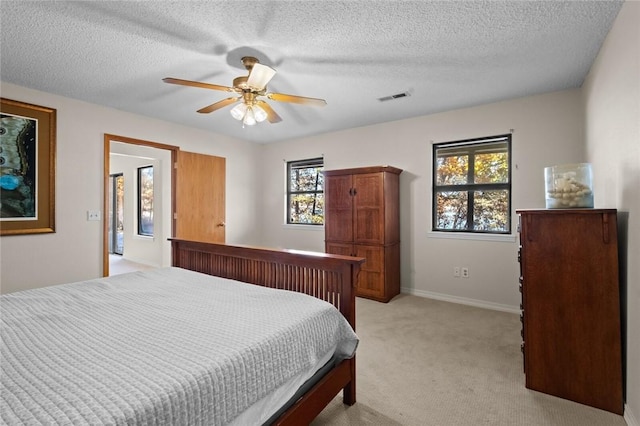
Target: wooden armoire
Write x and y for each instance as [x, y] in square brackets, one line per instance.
[571, 305]
[362, 218]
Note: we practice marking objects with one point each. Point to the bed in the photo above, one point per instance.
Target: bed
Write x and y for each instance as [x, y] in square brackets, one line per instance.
[188, 344]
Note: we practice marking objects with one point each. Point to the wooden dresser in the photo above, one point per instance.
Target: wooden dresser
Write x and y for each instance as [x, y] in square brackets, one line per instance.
[571, 305]
[362, 219]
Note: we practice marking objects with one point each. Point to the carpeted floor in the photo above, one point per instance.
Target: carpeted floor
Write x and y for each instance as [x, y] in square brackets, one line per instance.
[119, 265]
[426, 362]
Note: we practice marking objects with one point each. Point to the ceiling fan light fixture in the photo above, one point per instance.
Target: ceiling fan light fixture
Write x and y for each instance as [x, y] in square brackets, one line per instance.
[249, 118]
[239, 111]
[259, 114]
[248, 114]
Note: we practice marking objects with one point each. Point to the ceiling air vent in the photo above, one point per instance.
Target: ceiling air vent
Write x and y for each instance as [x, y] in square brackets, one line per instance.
[396, 96]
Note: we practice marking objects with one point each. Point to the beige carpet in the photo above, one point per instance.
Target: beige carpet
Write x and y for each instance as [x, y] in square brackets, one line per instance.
[119, 265]
[426, 362]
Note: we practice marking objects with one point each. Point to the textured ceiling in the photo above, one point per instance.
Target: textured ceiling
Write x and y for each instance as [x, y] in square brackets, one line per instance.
[445, 55]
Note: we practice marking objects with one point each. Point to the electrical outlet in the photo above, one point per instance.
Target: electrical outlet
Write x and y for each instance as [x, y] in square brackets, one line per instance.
[465, 272]
[456, 271]
[93, 215]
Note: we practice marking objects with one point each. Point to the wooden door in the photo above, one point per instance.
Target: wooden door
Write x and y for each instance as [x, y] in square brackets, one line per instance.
[338, 214]
[200, 197]
[368, 209]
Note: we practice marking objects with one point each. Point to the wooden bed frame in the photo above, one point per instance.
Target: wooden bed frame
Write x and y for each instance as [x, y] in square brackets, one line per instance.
[326, 276]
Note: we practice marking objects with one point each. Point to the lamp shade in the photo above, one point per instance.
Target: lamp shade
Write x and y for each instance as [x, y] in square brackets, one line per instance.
[239, 111]
[249, 117]
[259, 113]
[260, 75]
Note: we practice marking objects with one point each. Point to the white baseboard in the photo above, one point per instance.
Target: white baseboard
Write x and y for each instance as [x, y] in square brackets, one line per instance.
[463, 301]
[629, 417]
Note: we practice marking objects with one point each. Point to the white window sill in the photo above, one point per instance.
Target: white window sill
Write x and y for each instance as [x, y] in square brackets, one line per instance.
[143, 237]
[304, 227]
[506, 238]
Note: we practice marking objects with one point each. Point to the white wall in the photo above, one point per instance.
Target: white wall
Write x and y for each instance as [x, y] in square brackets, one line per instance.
[612, 110]
[547, 131]
[74, 251]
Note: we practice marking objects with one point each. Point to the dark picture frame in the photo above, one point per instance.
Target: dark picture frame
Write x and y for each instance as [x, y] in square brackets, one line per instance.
[27, 168]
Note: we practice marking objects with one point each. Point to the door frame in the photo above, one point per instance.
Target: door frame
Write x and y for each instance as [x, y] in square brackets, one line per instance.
[108, 138]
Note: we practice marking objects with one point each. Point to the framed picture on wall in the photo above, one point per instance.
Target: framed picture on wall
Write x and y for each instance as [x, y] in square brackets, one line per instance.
[27, 168]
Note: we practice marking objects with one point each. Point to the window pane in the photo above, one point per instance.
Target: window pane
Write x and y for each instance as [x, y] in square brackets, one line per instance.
[145, 224]
[451, 210]
[491, 211]
[491, 168]
[307, 208]
[452, 170]
[306, 179]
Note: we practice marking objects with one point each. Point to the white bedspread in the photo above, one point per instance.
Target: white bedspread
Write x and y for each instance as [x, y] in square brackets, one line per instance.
[162, 347]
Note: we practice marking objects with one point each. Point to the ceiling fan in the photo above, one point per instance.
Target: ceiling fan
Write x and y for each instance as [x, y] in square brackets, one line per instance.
[252, 109]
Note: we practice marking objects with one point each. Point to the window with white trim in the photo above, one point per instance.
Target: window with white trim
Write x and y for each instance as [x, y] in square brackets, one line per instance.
[472, 185]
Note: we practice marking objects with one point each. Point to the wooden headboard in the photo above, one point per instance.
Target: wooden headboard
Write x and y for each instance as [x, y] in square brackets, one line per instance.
[326, 276]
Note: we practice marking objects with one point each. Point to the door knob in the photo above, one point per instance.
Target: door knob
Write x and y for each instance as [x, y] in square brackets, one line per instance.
[221, 224]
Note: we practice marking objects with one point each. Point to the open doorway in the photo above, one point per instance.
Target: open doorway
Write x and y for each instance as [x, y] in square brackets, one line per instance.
[199, 214]
[125, 247]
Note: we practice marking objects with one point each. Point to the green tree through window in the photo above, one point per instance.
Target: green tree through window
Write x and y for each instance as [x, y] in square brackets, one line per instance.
[145, 200]
[305, 192]
[472, 185]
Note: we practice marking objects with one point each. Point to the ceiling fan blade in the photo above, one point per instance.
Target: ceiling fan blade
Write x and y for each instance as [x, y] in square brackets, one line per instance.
[280, 97]
[198, 84]
[260, 76]
[220, 104]
[271, 114]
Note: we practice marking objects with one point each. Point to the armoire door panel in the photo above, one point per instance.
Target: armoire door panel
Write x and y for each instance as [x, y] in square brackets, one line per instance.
[369, 190]
[339, 213]
[371, 278]
[370, 284]
[373, 253]
[340, 248]
[367, 226]
[368, 204]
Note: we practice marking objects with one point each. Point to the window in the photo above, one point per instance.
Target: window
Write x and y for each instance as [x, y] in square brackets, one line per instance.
[305, 192]
[116, 213]
[145, 200]
[472, 185]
